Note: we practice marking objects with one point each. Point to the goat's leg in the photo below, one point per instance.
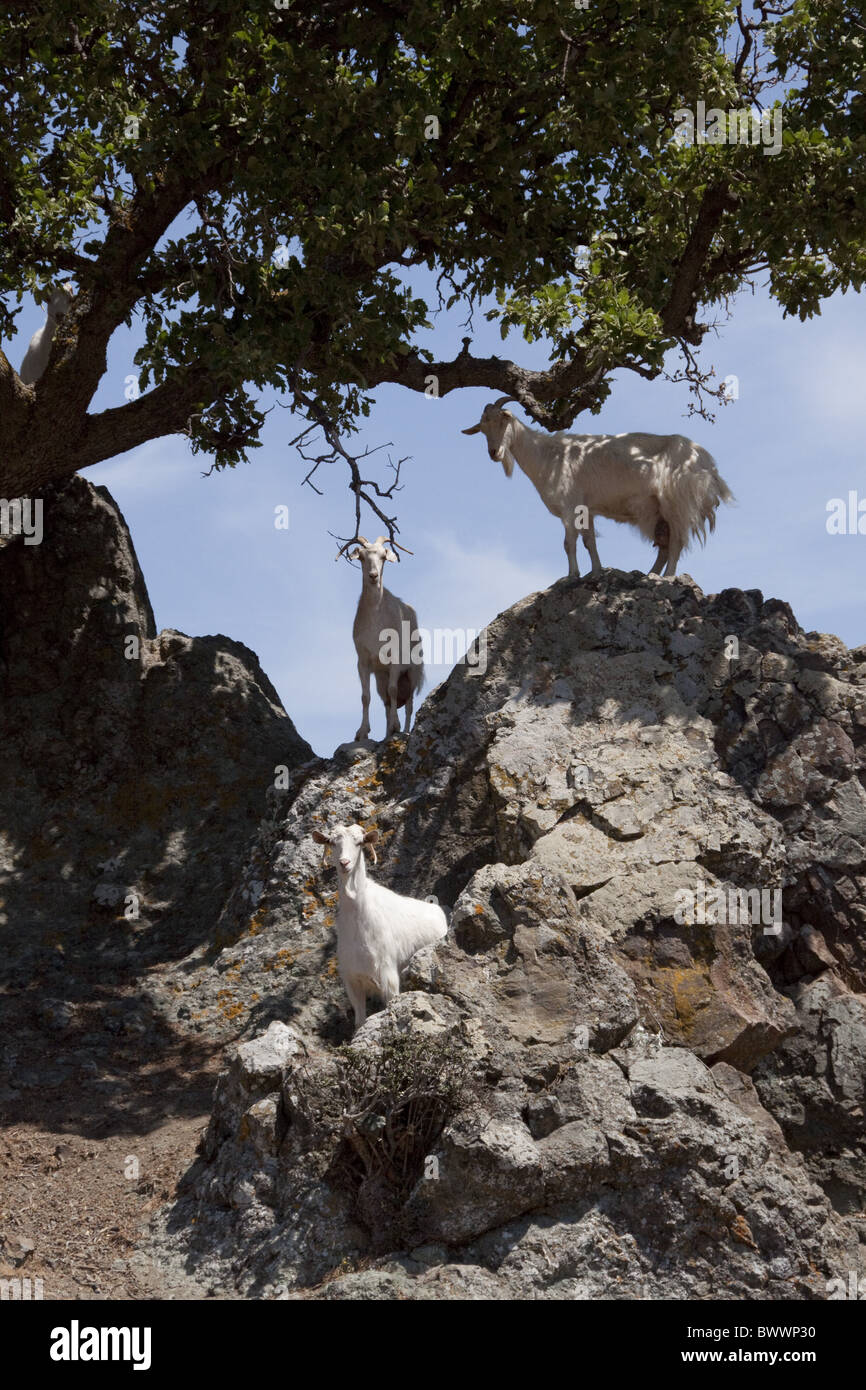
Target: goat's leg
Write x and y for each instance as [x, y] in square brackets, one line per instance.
[662, 540]
[390, 985]
[588, 534]
[407, 722]
[570, 548]
[382, 683]
[364, 675]
[673, 556]
[358, 1000]
[393, 726]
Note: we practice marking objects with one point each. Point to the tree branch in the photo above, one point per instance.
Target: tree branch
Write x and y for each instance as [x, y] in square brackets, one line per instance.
[688, 278]
[553, 398]
[164, 410]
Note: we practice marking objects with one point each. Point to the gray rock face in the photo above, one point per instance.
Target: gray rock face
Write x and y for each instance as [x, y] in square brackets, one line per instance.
[134, 767]
[647, 820]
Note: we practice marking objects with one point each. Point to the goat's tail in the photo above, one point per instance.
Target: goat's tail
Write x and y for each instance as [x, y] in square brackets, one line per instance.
[690, 491]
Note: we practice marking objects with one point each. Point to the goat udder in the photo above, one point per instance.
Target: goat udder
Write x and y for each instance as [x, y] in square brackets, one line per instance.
[404, 688]
[662, 534]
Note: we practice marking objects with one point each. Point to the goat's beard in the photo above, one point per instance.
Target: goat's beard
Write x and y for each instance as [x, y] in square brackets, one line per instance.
[503, 453]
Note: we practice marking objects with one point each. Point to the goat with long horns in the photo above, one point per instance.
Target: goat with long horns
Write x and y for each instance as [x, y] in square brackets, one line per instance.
[666, 486]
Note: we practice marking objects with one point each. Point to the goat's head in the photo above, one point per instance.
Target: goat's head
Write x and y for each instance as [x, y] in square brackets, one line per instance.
[497, 426]
[61, 298]
[348, 841]
[373, 555]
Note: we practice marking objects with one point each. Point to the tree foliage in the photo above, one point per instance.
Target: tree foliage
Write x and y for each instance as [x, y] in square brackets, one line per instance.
[254, 182]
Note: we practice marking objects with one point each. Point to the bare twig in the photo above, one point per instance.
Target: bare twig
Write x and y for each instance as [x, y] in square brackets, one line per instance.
[362, 488]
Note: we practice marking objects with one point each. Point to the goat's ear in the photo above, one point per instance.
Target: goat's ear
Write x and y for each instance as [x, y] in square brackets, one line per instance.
[389, 555]
[323, 840]
[474, 430]
[371, 837]
[355, 554]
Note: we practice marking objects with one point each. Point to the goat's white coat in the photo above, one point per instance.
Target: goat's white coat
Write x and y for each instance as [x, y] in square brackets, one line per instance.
[37, 354]
[380, 612]
[378, 931]
[664, 484]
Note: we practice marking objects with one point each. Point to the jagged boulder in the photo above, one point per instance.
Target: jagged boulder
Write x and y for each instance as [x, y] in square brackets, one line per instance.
[134, 769]
[646, 814]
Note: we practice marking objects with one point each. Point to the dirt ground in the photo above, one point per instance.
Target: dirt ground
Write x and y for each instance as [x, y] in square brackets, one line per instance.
[86, 1160]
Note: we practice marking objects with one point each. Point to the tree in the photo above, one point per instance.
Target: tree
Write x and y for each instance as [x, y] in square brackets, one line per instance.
[253, 184]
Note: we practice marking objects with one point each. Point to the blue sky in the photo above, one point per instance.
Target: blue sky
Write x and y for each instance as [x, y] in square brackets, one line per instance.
[215, 563]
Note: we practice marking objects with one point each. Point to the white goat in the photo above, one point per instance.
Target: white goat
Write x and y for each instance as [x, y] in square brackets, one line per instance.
[386, 640]
[378, 931]
[664, 484]
[36, 356]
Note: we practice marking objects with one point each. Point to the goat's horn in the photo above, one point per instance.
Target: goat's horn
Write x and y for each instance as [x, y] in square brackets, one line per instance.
[403, 548]
[494, 405]
[363, 540]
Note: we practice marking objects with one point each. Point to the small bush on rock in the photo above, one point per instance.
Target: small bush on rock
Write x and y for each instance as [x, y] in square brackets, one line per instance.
[389, 1105]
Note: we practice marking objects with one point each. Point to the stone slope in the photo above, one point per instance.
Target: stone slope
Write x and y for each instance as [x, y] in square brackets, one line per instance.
[657, 1103]
[134, 769]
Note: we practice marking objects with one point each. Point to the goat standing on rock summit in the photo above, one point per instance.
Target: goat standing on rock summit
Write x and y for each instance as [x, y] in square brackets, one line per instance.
[383, 622]
[378, 931]
[664, 484]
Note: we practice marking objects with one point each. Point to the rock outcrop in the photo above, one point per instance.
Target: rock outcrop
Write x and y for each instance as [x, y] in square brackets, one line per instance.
[134, 770]
[636, 1066]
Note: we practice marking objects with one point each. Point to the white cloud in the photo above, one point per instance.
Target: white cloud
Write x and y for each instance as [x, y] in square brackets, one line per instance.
[832, 382]
[469, 585]
[159, 467]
